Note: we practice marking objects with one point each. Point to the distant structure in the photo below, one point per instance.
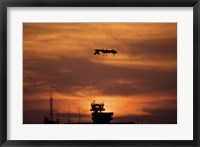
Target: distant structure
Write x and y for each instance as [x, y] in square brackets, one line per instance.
[57, 118]
[79, 115]
[69, 121]
[51, 103]
[98, 116]
[46, 119]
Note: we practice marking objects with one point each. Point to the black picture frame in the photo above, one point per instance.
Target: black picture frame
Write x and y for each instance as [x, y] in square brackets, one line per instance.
[4, 4]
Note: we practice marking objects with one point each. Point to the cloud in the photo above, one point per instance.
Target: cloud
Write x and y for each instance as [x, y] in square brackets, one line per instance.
[69, 74]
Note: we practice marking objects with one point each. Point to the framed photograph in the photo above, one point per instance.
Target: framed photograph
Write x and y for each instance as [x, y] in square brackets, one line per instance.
[104, 73]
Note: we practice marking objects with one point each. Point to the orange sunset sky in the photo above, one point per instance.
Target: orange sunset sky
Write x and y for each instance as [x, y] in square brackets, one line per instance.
[138, 83]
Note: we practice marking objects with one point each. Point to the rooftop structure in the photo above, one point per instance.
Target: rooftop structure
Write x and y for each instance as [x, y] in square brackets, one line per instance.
[98, 116]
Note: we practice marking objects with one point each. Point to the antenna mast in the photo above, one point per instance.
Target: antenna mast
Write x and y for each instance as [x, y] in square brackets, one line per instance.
[51, 103]
[79, 115]
[69, 113]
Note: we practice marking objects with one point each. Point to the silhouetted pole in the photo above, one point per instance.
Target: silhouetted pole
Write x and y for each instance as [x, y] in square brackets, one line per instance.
[79, 115]
[69, 113]
[51, 103]
[57, 118]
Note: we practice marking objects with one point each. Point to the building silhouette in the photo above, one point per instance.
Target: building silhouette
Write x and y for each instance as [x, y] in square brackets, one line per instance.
[99, 117]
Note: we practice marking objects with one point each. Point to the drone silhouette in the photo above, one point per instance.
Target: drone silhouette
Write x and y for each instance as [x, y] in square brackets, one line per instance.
[105, 51]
